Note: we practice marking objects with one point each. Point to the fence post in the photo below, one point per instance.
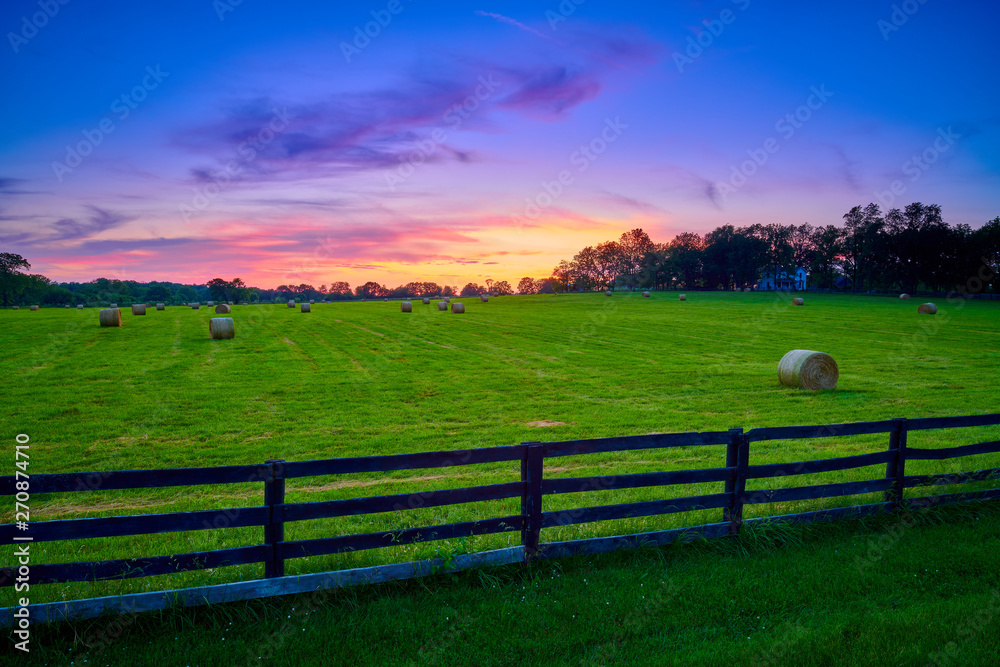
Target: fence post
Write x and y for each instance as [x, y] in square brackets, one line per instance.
[895, 468]
[732, 451]
[274, 531]
[531, 498]
[737, 456]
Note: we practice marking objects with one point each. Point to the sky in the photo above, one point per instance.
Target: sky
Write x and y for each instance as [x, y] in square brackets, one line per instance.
[399, 140]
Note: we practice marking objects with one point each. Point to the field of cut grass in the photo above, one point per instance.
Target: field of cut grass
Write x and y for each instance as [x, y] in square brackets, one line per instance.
[361, 379]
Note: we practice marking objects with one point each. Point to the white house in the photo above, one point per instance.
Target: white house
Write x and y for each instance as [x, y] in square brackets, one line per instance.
[783, 281]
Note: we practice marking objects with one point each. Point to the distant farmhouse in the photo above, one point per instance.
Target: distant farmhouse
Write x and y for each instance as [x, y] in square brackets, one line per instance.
[783, 281]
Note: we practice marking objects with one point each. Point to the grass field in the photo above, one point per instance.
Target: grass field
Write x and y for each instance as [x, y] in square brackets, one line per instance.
[356, 379]
[931, 599]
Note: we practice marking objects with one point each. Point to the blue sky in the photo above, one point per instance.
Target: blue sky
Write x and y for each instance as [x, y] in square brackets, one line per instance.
[253, 128]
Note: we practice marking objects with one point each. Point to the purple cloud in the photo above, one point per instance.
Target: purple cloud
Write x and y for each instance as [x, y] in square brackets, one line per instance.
[552, 92]
[345, 132]
[70, 229]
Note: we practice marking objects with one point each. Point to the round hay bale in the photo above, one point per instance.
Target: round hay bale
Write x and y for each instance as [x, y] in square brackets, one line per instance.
[458, 307]
[78, 307]
[904, 297]
[927, 309]
[210, 304]
[682, 297]
[17, 307]
[66, 306]
[139, 309]
[799, 302]
[195, 306]
[386, 299]
[291, 304]
[406, 306]
[312, 301]
[484, 298]
[426, 301]
[447, 299]
[110, 317]
[161, 306]
[223, 309]
[306, 308]
[221, 327]
[806, 369]
[746, 289]
[32, 307]
[607, 293]
[114, 305]
[646, 294]
[442, 305]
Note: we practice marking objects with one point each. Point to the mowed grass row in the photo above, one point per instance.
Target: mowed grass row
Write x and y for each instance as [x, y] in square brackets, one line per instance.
[361, 379]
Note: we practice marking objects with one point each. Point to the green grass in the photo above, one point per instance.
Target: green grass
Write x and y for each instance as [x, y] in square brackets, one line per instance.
[804, 596]
[359, 379]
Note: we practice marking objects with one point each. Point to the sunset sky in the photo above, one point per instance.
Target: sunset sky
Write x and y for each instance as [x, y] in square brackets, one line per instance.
[279, 143]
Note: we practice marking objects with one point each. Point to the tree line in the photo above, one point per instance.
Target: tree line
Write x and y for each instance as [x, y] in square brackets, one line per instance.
[374, 290]
[906, 249]
[18, 287]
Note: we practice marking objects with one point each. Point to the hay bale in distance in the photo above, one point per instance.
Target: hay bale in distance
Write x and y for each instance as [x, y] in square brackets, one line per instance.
[223, 309]
[312, 301]
[807, 369]
[799, 301]
[138, 309]
[426, 301]
[904, 297]
[682, 297]
[79, 306]
[607, 293]
[442, 305]
[221, 327]
[485, 298]
[386, 299]
[195, 306]
[114, 305]
[406, 306]
[291, 304]
[210, 304]
[306, 308]
[458, 307]
[17, 307]
[161, 306]
[746, 289]
[927, 309]
[110, 317]
[32, 307]
[646, 294]
[447, 299]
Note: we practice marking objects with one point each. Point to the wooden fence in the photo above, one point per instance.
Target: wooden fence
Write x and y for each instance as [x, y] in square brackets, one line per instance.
[532, 519]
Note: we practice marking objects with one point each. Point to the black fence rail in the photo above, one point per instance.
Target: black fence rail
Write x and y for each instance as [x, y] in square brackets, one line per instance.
[274, 513]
